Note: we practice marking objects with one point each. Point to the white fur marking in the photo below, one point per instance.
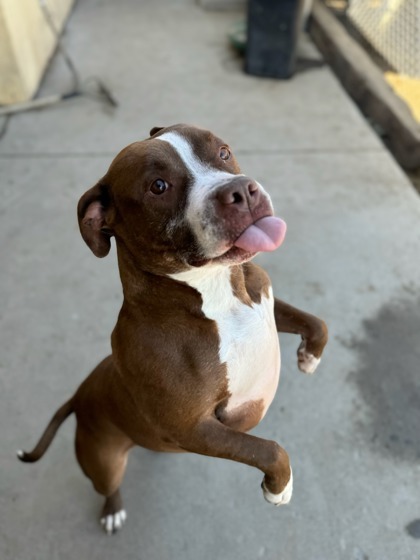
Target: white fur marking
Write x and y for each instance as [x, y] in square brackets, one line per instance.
[284, 497]
[20, 453]
[114, 522]
[205, 180]
[201, 172]
[185, 152]
[249, 343]
[306, 361]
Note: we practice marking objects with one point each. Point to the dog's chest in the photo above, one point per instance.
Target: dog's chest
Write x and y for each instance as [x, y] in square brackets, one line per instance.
[250, 348]
[248, 341]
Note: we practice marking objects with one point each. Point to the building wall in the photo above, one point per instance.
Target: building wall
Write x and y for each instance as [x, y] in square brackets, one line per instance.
[26, 45]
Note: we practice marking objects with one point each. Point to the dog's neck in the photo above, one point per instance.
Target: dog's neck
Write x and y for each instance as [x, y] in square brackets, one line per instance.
[186, 288]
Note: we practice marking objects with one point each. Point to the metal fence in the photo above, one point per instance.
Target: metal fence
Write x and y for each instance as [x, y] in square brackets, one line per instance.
[392, 27]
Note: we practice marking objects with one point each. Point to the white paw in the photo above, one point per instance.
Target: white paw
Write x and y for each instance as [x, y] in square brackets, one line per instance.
[306, 361]
[113, 523]
[284, 497]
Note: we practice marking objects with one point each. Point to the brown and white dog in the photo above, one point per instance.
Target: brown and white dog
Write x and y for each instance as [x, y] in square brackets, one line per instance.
[195, 354]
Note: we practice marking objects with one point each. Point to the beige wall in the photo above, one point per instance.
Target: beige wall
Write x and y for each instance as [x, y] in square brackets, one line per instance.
[26, 45]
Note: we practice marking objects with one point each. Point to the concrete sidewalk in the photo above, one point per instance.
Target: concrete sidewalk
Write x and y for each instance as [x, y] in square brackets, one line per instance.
[351, 256]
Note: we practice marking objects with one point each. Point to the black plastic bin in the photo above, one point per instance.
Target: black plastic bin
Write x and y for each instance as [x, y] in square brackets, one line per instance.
[273, 29]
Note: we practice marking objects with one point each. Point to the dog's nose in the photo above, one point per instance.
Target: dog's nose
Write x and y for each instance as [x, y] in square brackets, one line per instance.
[241, 193]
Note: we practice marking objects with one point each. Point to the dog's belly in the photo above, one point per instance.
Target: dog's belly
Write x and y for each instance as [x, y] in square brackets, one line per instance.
[250, 348]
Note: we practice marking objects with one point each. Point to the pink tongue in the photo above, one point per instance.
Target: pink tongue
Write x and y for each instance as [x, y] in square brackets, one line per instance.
[265, 235]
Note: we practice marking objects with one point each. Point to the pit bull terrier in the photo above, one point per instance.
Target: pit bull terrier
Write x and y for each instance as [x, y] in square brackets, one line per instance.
[195, 353]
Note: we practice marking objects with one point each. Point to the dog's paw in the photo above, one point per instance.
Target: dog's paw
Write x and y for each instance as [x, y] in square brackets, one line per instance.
[279, 499]
[306, 361]
[114, 521]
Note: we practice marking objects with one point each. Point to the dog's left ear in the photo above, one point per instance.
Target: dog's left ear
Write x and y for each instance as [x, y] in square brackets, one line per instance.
[156, 129]
[91, 213]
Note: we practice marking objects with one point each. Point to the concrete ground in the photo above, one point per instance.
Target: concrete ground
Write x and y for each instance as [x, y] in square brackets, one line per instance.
[351, 255]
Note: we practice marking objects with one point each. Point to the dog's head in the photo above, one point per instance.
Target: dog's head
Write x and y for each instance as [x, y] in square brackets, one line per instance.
[178, 200]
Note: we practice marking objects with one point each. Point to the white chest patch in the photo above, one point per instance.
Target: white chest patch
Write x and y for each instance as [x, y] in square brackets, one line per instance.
[249, 343]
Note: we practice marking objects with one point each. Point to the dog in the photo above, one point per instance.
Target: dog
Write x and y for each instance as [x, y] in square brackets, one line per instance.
[195, 353]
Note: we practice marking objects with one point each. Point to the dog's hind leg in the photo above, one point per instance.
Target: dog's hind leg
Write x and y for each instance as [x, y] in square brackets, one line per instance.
[113, 513]
[103, 459]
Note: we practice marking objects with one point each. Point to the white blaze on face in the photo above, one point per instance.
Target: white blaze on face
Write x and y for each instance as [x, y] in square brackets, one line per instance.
[206, 179]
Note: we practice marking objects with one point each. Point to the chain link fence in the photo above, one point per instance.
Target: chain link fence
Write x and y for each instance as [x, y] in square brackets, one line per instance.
[392, 27]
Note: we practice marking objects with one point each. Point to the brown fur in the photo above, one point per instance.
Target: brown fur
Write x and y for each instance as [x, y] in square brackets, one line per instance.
[164, 387]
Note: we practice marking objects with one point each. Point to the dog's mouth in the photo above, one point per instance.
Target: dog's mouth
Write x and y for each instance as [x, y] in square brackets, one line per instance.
[265, 234]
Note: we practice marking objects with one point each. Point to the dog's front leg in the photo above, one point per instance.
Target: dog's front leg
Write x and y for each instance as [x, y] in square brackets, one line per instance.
[214, 439]
[313, 331]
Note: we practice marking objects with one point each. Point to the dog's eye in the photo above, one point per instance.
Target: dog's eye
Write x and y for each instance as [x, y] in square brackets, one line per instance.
[159, 186]
[224, 153]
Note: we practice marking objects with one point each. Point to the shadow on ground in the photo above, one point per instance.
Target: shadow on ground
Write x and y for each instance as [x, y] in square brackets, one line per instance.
[389, 378]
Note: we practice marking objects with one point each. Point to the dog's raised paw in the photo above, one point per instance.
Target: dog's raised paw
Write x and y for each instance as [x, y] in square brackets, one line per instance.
[307, 362]
[279, 499]
[114, 521]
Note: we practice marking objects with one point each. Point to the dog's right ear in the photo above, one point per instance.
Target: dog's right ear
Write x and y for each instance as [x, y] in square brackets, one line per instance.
[91, 212]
